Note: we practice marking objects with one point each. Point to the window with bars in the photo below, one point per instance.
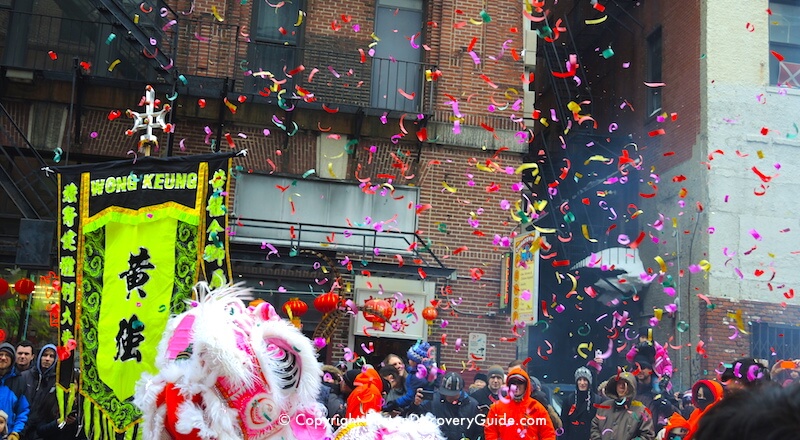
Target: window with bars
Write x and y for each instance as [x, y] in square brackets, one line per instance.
[784, 43]
[782, 340]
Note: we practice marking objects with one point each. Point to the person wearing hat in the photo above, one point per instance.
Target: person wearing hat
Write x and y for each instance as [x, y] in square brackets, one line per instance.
[621, 417]
[489, 394]
[577, 418]
[419, 374]
[12, 393]
[478, 382]
[456, 412]
[517, 415]
[651, 357]
[40, 382]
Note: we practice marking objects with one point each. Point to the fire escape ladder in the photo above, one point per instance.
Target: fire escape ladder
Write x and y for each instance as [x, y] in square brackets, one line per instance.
[21, 175]
[154, 28]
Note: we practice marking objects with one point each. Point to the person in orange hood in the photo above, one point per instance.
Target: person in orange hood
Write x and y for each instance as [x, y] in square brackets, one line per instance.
[517, 415]
[676, 428]
[367, 395]
[705, 394]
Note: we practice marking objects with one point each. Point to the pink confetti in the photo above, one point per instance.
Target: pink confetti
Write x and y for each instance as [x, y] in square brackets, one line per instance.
[755, 234]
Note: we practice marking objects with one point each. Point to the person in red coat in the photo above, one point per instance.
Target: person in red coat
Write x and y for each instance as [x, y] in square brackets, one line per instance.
[517, 415]
[367, 396]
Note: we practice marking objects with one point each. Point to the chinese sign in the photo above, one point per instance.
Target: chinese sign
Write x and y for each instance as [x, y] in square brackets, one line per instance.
[134, 240]
[525, 282]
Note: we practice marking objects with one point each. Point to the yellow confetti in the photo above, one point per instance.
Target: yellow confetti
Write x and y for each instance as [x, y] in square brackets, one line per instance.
[216, 13]
[300, 15]
[661, 263]
[705, 265]
[585, 229]
[113, 65]
[597, 158]
[330, 170]
[574, 107]
[544, 122]
[483, 167]
[527, 166]
[597, 20]
[449, 188]
[760, 154]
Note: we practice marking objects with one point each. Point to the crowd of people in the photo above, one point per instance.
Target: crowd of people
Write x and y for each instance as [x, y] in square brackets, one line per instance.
[28, 406]
[746, 400]
[637, 402]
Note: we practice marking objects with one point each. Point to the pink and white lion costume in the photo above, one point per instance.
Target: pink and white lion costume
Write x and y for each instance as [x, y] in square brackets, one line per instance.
[228, 371]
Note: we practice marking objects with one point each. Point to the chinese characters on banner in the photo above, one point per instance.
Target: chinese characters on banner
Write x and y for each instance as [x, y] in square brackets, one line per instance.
[525, 282]
[134, 240]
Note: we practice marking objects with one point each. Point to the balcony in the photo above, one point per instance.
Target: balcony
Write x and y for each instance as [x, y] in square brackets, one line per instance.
[211, 59]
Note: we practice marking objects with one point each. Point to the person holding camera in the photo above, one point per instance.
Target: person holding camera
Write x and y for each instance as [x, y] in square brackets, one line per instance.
[456, 412]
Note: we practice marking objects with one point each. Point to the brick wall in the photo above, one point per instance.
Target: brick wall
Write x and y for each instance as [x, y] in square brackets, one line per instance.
[715, 331]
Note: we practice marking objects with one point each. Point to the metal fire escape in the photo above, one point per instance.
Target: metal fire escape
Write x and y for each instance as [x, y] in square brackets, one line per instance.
[148, 44]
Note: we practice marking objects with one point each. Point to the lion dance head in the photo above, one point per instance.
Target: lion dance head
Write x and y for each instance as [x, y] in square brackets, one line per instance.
[231, 371]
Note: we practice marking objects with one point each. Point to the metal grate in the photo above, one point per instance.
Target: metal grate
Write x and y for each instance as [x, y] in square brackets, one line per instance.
[775, 342]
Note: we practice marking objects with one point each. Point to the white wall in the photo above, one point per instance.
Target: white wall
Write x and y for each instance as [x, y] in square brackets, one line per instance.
[740, 102]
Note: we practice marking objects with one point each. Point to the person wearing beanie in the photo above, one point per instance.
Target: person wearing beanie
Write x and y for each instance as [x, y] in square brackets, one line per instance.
[419, 374]
[489, 394]
[621, 417]
[478, 382]
[12, 393]
[367, 395]
[577, 418]
[40, 382]
[651, 359]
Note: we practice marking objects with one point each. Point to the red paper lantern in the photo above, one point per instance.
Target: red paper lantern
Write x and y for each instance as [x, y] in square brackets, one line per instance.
[24, 287]
[429, 314]
[327, 302]
[3, 288]
[378, 312]
[295, 308]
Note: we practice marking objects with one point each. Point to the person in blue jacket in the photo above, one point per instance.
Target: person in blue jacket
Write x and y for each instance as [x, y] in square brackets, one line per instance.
[12, 393]
[421, 374]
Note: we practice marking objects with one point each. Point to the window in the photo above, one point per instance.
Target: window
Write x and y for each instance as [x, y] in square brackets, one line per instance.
[784, 43]
[654, 46]
[396, 64]
[331, 157]
[771, 341]
[274, 43]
